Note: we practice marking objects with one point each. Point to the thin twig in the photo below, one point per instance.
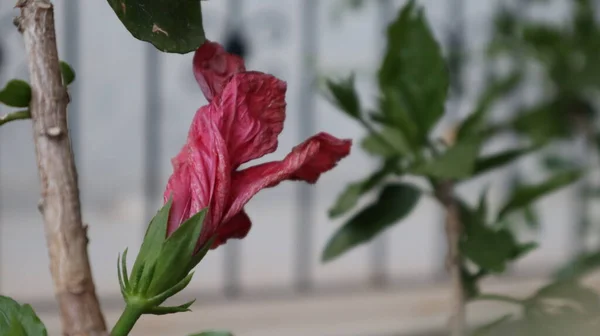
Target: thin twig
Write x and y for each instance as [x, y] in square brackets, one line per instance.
[65, 234]
[19, 115]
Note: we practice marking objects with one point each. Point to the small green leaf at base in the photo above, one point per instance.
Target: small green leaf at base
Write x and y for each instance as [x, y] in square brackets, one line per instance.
[16, 93]
[395, 202]
[171, 310]
[213, 333]
[19, 320]
[173, 26]
[68, 74]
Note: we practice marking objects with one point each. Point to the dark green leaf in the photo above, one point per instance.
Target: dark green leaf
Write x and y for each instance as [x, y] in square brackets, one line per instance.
[414, 67]
[213, 333]
[394, 113]
[490, 162]
[350, 196]
[172, 26]
[395, 202]
[17, 320]
[343, 95]
[524, 195]
[579, 267]
[155, 236]
[489, 249]
[387, 144]
[16, 93]
[473, 125]
[175, 255]
[68, 74]
[457, 162]
[542, 123]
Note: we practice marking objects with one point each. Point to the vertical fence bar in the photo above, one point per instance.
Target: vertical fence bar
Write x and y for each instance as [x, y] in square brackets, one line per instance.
[152, 135]
[232, 250]
[454, 58]
[305, 208]
[379, 257]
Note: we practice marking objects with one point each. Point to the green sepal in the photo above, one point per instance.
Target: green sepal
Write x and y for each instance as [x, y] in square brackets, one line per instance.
[171, 309]
[176, 255]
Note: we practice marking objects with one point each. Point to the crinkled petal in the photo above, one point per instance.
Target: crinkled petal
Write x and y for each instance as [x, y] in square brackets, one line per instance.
[213, 67]
[306, 162]
[202, 165]
[251, 115]
[237, 227]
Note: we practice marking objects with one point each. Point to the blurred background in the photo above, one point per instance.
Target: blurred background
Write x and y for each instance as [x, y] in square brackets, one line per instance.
[130, 112]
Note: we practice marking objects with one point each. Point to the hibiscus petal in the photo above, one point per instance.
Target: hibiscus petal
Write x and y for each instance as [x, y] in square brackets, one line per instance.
[213, 67]
[251, 115]
[237, 227]
[306, 162]
[202, 166]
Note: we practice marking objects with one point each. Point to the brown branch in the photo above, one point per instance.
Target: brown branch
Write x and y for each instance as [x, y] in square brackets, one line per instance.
[445, 194]
[60, 207]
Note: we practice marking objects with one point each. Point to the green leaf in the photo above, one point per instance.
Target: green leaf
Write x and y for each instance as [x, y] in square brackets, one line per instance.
[173, 26]
[350, 196]
[16, 93]
[394, 113]
[542, 123]
[343, 95]
[524, 195]
[457, 162]
[155, 236]
[579, 266]
[489, 249]
[395, 202]
[586, 298]
[17, 320]
[473, 125]
[413, 66]
[175, 255]
[490, 162]
[68, 74]
[388, 143]
[171, 309]
[487, 328]
[213, 333]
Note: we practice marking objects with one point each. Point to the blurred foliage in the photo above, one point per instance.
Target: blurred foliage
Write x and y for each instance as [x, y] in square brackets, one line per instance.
[566, 54]
[413, 83]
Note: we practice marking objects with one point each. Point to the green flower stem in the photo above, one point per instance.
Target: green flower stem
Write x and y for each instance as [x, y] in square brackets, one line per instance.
[19, 115]
[128, 318]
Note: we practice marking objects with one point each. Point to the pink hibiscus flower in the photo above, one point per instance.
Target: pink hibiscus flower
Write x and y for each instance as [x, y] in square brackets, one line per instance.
[242, 121]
